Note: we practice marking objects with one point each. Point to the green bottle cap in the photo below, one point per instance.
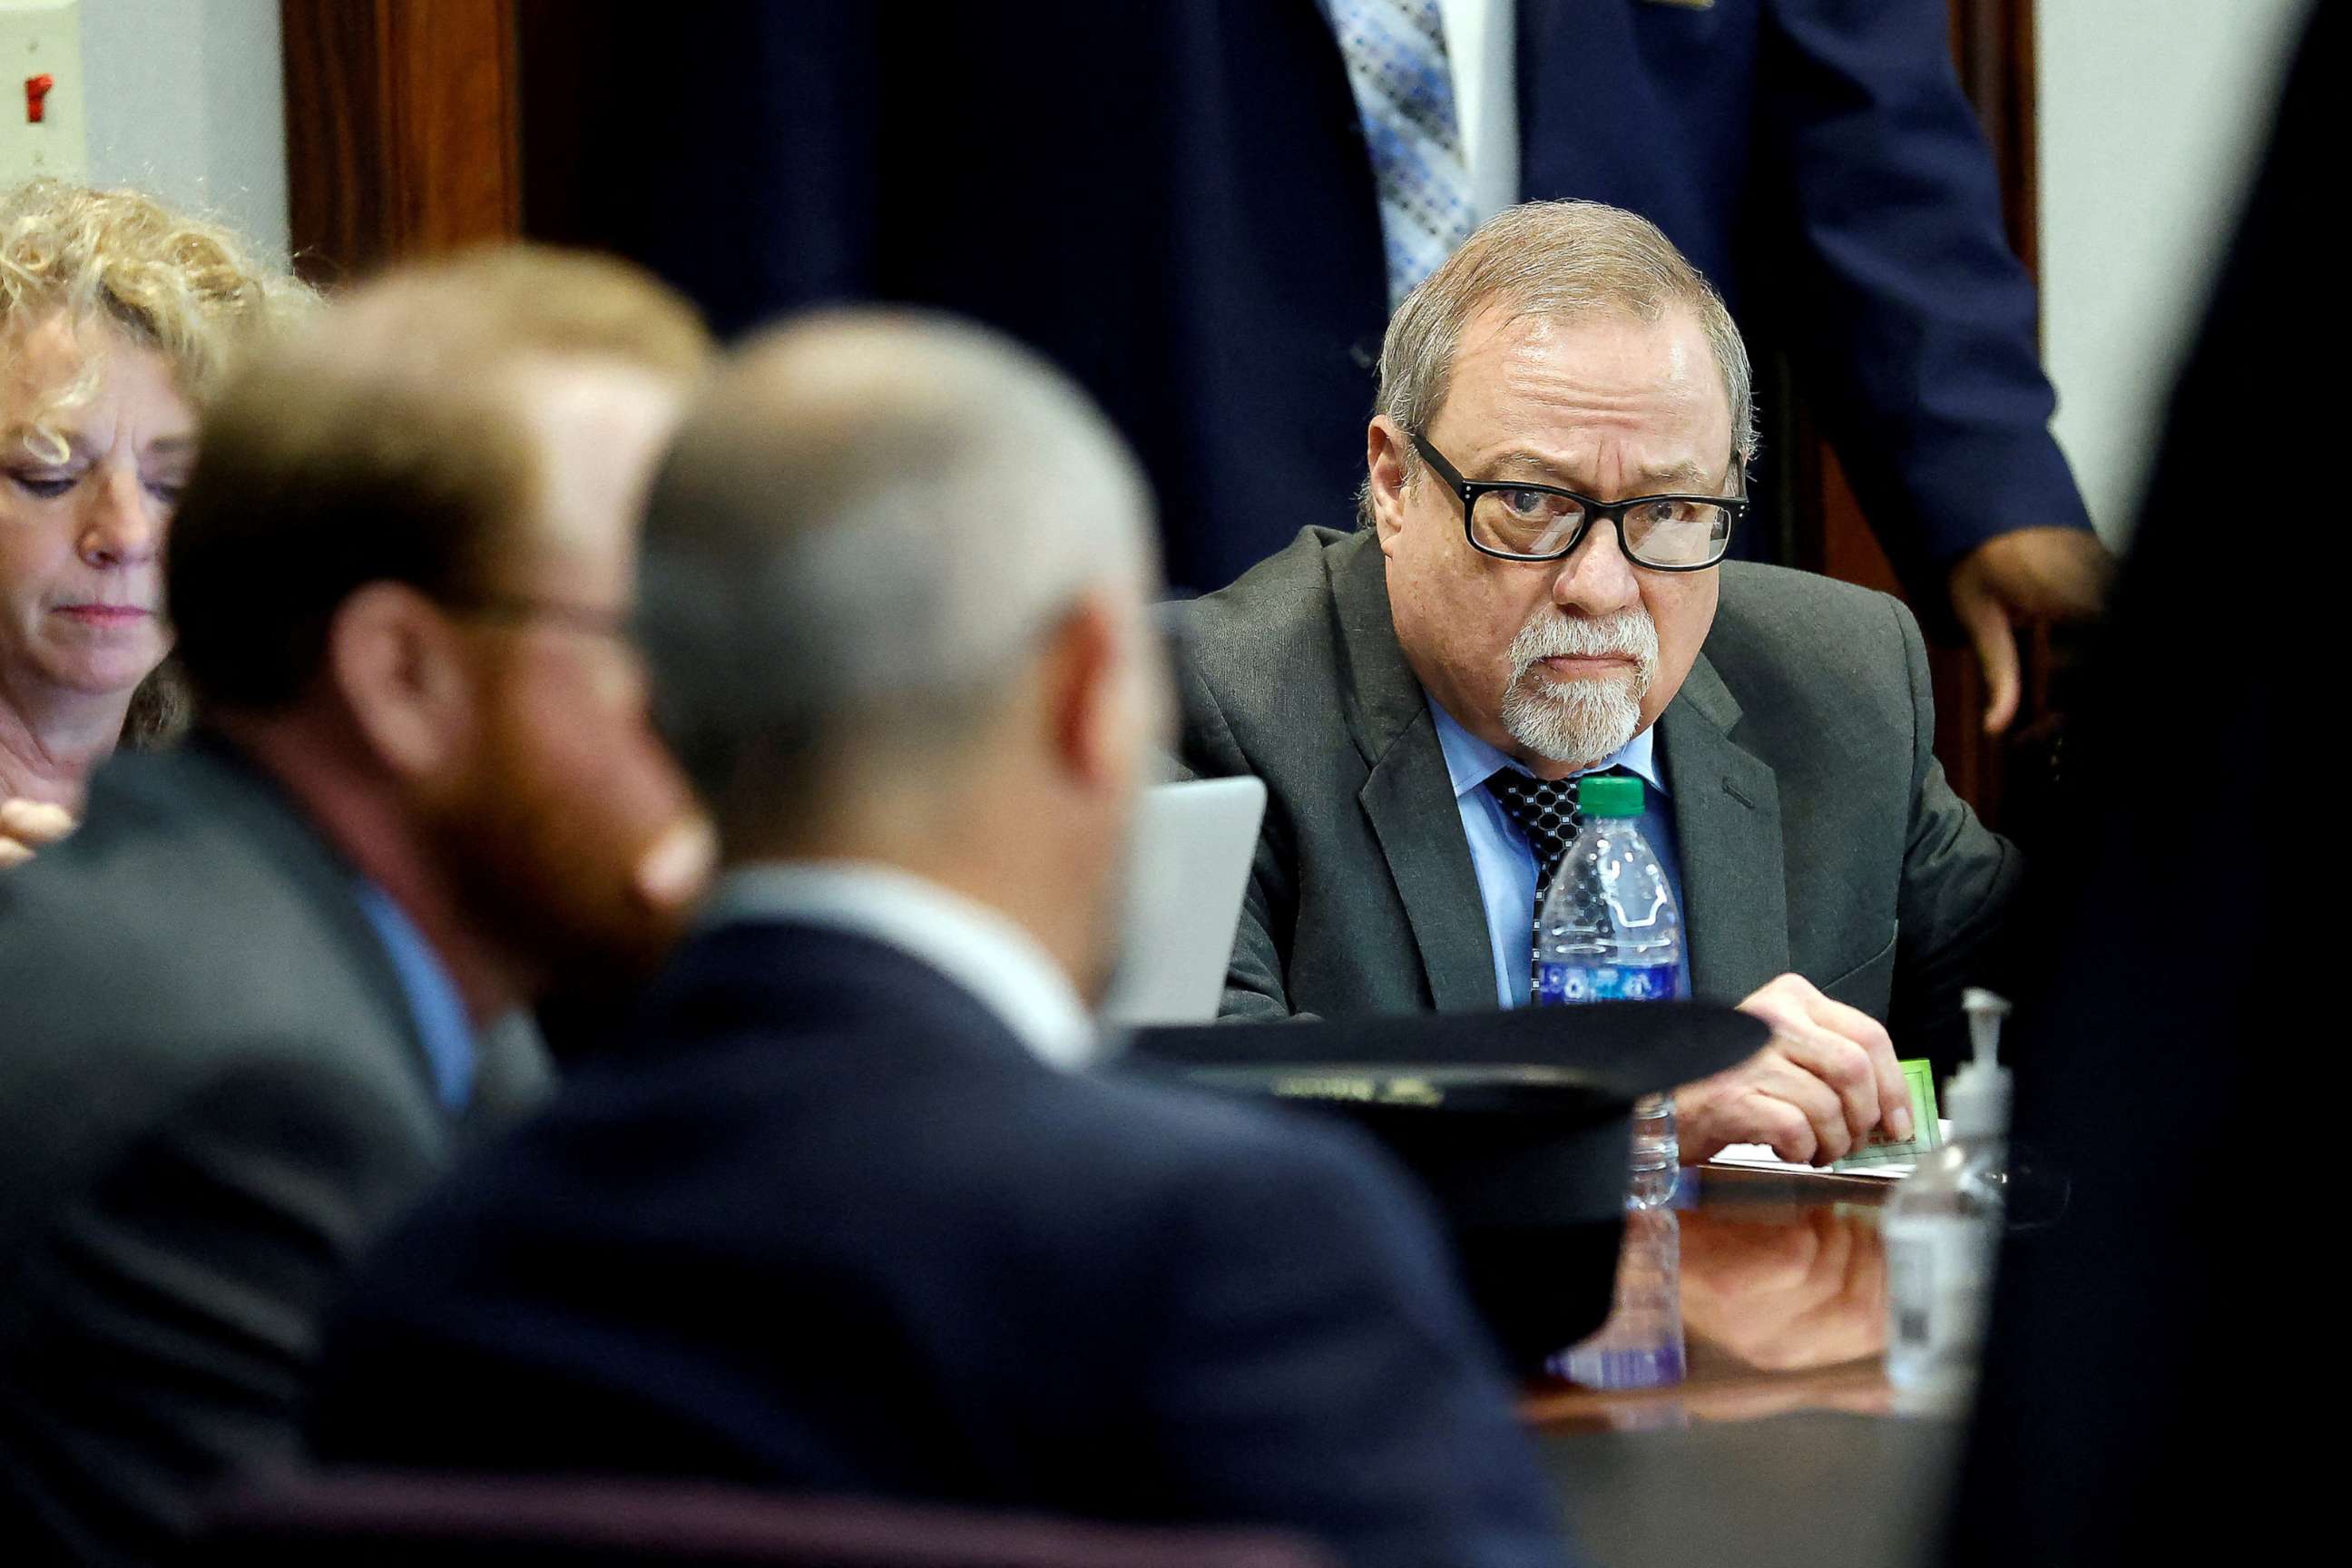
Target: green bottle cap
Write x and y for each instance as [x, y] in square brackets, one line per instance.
[1608, 795]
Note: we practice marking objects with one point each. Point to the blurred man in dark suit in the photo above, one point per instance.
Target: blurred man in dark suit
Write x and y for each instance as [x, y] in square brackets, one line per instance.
[255, 1005]
[852, 1216]
[2158, 1359]
[1206, 211]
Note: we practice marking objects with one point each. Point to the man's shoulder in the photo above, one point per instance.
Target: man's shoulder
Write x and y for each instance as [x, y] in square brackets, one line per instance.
[1775, 625]
[1168, 1130]
[180, 886]
[1280, 609]
[1782, 600]
[1271, 671]
[947, 1108]
[159, 951]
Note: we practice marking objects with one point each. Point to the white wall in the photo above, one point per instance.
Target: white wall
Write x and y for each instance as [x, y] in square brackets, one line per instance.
[2152, 113]
[186, 99]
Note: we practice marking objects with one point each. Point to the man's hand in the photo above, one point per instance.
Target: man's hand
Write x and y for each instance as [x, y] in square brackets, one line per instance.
[2033, 574]
[27, 825]
[1814, 1092]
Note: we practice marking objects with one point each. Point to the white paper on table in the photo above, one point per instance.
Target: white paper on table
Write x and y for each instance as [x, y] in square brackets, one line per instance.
[1760, 1157]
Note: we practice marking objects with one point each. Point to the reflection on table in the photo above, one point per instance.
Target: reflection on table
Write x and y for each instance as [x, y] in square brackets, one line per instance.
[1780, 1282]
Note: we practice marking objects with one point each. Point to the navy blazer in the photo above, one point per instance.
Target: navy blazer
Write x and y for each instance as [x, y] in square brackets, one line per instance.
[1173, 199]
[832, 1227]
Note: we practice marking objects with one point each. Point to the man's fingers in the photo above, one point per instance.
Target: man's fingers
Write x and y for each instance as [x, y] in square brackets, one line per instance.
[1788, 1131]
[1892, 1102]
[1842, 1068]
[27, 825]
[1996, 644]
[1785, 1082]
[34, 822]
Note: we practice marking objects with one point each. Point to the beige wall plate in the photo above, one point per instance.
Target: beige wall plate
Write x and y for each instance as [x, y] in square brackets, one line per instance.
[41, 73]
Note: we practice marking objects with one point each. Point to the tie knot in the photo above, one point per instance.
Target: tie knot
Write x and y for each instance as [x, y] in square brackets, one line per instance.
[1545, 810]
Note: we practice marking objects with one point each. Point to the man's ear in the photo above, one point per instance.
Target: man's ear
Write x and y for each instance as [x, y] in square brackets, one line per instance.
[1091, 695]
[1385, 479]
[399, 665]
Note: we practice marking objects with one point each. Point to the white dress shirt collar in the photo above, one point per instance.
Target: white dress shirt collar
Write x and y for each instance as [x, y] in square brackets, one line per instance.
[987, 955]
[1471, 762]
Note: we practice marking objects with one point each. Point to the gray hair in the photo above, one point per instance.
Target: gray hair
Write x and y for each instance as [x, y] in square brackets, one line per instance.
[1550, 259]
[859, 532]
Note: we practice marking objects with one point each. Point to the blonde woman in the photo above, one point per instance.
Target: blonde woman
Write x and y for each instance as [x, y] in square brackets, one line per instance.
[117, 318]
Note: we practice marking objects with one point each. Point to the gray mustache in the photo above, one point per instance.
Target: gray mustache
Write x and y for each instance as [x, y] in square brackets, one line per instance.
[1628, 635]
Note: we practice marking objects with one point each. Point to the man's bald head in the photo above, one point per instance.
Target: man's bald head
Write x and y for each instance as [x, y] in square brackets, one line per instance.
[861, 531]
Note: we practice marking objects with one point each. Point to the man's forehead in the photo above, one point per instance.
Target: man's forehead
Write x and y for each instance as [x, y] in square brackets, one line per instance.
[1548, 389]
[1603, 347]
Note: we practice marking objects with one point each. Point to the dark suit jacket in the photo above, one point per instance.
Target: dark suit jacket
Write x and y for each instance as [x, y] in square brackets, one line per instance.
[831, 1225]
[1814, 827]
[211, 1093]
[1173, 199]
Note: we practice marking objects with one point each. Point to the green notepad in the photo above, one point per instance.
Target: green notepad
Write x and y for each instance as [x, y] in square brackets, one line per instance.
[1927, 1131]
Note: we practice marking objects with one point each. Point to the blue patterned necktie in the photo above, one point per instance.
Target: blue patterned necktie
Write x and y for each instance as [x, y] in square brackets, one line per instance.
[1403, 85]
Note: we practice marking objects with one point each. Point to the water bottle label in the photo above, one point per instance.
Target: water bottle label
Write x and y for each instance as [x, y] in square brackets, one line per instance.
[1574, 982]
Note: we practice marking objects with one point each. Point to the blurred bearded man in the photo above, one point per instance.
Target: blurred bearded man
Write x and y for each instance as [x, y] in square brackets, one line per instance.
[1538, 592]
[272, 985]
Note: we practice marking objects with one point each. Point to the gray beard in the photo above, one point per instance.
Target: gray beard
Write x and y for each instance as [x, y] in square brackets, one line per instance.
[1577, 721]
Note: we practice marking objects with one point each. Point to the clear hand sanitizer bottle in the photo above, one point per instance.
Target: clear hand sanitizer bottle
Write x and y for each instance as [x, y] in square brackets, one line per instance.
[1943, 1226]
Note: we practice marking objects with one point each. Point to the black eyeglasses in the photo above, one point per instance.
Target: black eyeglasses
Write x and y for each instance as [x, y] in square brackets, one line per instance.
[1513, 521]
[521, 609]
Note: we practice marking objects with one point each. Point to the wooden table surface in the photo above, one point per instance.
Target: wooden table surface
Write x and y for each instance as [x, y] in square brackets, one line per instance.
[1783, 1288]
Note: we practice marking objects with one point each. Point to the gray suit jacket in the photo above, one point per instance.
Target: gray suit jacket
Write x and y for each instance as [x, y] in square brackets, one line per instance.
[211, 1095]
[1816, 831]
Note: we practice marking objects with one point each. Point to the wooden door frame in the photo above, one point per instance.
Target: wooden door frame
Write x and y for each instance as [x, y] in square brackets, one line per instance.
[402, 128]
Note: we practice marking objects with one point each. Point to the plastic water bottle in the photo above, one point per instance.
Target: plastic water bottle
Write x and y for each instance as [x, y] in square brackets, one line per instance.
[1943, 1226]
[1610, 931]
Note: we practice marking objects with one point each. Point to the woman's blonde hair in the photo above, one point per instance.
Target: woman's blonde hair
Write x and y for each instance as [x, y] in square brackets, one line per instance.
[188, 289]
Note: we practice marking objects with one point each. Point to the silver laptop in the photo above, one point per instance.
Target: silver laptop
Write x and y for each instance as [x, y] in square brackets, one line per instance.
[1194, 843]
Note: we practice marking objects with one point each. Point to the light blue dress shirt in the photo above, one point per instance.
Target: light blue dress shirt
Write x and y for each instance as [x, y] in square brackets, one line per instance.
[1504, 862]
[433, 998]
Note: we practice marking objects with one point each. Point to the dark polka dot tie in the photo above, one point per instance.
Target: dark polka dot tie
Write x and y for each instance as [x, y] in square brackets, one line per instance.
[1545, 810]
[1546, 813]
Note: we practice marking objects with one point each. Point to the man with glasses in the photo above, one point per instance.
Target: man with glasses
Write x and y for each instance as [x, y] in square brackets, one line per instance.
[1536, 591]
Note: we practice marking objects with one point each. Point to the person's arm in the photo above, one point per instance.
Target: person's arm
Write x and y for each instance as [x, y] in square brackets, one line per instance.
[1255, 991]
[169, 1318]
[1318, 1368]
[1920, 344]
